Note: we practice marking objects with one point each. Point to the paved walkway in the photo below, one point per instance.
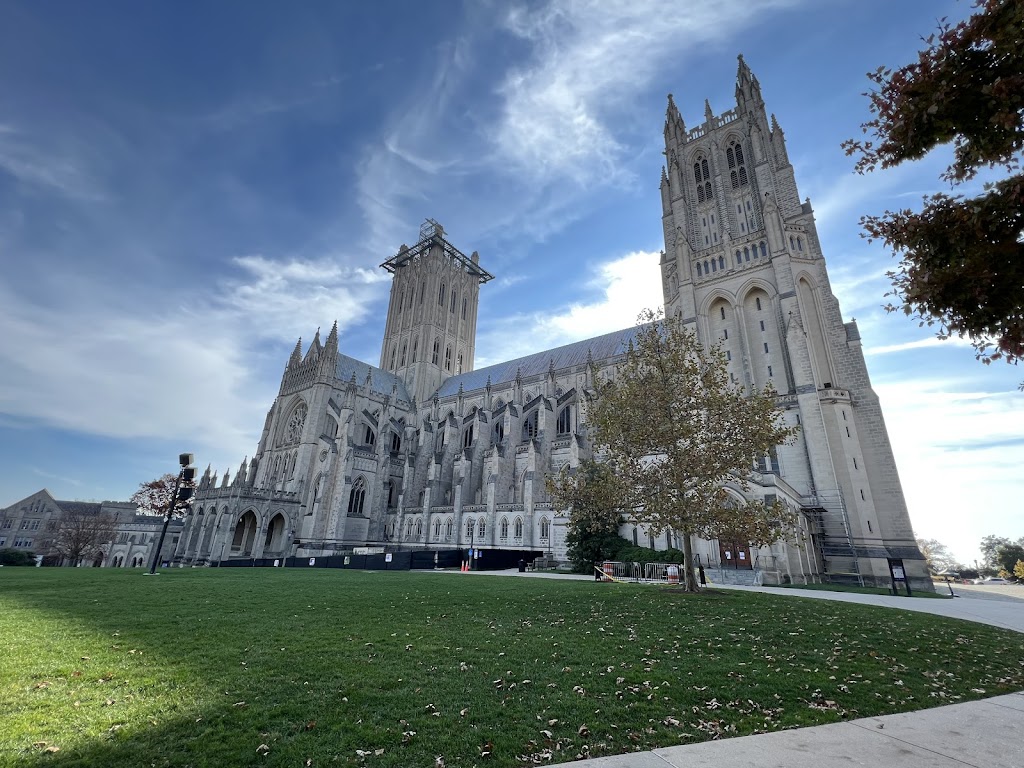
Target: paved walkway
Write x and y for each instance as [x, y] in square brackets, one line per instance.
[982, 734]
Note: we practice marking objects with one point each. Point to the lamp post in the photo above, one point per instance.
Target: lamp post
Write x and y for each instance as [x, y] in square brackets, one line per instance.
[187, 473]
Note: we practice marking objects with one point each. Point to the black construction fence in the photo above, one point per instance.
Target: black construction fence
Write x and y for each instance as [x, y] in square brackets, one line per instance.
[402, 560]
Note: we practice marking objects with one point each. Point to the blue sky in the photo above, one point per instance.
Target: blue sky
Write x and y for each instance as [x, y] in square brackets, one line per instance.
[186, 188]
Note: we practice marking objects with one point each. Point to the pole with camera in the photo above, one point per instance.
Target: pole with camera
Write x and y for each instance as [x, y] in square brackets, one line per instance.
[182, 493]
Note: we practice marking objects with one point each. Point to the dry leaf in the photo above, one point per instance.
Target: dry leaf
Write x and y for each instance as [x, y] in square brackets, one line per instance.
[262, 749]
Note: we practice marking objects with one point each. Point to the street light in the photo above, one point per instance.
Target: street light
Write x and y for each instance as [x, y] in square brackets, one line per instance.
[181, 493]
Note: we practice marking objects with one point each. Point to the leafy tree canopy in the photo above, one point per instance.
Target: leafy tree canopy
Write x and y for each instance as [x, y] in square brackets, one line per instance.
[962, 258]
[938, 556]
[593, 495]
[674, 431]
[154, 497]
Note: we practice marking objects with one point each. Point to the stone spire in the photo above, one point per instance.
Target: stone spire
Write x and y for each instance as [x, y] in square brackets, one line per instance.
[748, 90]
[296, 357]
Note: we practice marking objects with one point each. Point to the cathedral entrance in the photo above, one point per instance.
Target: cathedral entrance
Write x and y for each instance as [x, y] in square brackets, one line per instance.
[735, 555]
[245, 535]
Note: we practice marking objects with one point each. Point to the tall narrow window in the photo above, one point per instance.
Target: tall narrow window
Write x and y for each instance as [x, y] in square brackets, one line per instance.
[405, 345]
[530, 426]
[437, 351]
[356, 498]
[440, 294]
[722, 312]
[448, 358]
[464, 304]
[757, 302]
[415, 345]
[467, 437]
[564, 425]
[452, 310]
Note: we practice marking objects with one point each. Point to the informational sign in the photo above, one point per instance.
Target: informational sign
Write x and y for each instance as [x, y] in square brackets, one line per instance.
[387, 558]
[470, 553]
[277, 563]
[348, 560]
[312, 561]
[743, 555]
[897, 573]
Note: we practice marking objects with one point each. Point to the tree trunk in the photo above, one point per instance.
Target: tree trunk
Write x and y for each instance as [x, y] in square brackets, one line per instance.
[689, 579]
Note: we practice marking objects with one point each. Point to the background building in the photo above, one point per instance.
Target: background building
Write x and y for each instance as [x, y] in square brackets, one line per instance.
[122, 537]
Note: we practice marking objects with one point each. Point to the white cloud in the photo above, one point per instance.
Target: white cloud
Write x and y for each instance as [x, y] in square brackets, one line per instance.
[108, 365]
[959, 455]
[625, 286]
[931, 341]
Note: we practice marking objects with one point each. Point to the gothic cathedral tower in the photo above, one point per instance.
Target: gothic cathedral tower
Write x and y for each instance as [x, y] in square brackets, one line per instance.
[430, 333]
[743, 266]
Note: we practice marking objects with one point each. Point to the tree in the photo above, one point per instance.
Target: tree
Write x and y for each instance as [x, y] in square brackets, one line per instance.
[962, 258]
[1007, 556]
[988, 547]
[16, 557]
[154, 497]
[937, 555]
[675, 431]
[592, 494]
[1018, 570]
[83, 533]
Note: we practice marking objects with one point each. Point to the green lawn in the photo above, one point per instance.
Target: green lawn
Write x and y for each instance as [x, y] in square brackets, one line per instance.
[239, 667]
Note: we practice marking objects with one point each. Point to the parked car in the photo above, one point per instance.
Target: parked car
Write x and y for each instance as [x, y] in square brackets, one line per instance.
[991, 580]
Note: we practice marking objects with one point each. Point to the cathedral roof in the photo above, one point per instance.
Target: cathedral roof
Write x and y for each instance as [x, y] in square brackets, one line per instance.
[381, 382]
[598, 348]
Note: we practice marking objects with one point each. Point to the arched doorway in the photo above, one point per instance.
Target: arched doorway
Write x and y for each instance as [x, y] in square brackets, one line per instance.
[275, 541]
[245, 535]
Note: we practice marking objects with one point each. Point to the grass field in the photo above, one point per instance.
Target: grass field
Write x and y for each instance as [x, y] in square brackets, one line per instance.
[310, 667]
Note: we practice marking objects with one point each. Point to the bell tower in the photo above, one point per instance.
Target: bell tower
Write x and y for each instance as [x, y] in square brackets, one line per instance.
[430, 333]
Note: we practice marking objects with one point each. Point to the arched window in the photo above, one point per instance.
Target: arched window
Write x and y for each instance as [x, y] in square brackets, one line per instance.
[396, 442]
[504, 528]
[449, 528]
[764, 251]
[415, 347]
[437, 528]
[721, 312]
[470, 525]
[437, 351]
[295, 461]
[481, 529]
[530, 426]
[737, 167]
[464, 304]
[545, 529]
[702, 177]
[721, 262]
[419, 529]
[394, 356]
[408, 527]
[757, 302]
[519, 528]
[739, 258]
[467, 437]
[331, 427]
[453, 301]
[746, 253]
[499, 431]
[369, 438]
[401, 301]
[404, 347]
[447, 358]
[714, 265]
[707, 269]
[356, 498]
[440, 295]
[296, 422]
[459, 369]
[799, 243]
[564, 426]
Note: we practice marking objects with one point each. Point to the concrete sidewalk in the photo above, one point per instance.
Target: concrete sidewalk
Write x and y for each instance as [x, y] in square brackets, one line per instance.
[983, 734]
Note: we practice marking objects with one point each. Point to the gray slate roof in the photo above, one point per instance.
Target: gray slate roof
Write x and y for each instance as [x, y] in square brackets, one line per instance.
[79, 507]
[381, 382]
[600, 348]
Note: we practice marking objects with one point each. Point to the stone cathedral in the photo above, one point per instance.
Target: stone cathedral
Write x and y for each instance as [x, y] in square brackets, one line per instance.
[423, 451]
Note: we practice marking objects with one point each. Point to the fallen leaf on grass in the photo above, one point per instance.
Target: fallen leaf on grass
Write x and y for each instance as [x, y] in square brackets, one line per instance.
[262, 749]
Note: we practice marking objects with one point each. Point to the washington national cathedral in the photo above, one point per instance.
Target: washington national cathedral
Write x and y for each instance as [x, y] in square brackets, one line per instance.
[423, 451]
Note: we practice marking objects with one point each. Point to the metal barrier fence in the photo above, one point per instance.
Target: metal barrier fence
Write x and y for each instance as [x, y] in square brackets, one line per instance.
[642, 573]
